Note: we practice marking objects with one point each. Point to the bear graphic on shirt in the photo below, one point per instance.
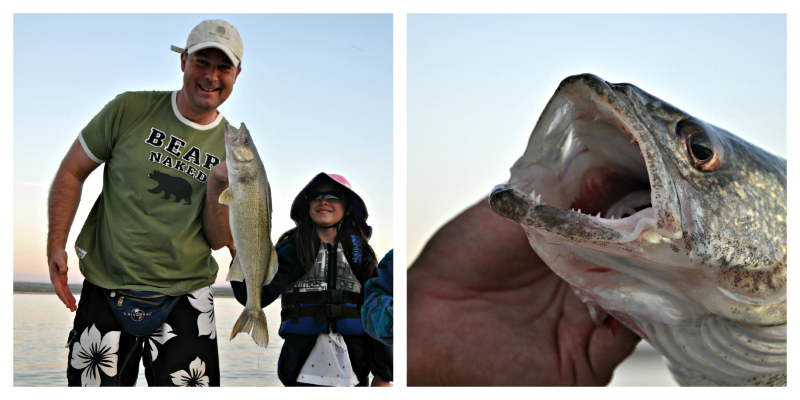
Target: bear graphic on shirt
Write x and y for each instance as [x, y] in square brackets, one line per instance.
[171, 185]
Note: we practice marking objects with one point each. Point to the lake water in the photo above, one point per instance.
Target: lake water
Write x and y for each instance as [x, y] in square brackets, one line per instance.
[42, 324]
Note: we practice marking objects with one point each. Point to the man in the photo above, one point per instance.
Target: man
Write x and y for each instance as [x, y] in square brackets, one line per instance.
[154, 225]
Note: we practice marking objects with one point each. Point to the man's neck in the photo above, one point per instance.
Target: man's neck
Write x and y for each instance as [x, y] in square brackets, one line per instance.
[198, 117]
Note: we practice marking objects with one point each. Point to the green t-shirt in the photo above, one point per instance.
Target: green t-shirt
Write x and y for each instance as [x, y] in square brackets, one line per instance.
[145, 230]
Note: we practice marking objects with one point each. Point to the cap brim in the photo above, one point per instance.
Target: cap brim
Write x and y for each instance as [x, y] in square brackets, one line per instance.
[216, 45]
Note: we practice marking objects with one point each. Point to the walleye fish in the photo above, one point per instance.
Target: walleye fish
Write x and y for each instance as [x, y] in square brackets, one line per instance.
[250, 211]
[672, 226]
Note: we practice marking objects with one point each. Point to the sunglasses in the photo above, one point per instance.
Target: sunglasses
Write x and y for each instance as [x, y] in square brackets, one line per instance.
[333, 196]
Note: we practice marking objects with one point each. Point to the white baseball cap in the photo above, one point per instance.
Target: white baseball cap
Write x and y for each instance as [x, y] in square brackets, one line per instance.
[218, 34]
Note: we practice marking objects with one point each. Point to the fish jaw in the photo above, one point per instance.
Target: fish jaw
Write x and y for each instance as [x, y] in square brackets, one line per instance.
[602, 263]
[591, 182]
[240, 151]
[608, 200]
[605, 150]
[590, 156]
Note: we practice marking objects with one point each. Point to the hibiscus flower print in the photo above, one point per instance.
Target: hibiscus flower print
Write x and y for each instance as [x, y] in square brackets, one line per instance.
[161, 335]
[202, 300]
[95, 353]
[195, 376]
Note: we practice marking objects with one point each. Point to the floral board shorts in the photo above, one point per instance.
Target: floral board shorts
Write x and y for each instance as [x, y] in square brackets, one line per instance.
[182, 352]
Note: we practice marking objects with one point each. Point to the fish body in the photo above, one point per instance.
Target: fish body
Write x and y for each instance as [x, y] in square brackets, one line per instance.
[250, 212]
[670, 225]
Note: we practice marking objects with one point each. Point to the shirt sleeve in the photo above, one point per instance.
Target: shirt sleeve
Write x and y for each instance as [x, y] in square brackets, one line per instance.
[100, 134]
[377, 313]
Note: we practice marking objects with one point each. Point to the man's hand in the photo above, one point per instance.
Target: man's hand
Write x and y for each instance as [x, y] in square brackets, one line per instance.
[484, 309]
[57, 261]
[216, 225]
[62, 204]
[219, 176]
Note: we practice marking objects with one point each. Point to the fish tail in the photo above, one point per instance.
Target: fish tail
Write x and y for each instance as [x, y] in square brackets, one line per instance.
[253, 322]
[260, 334]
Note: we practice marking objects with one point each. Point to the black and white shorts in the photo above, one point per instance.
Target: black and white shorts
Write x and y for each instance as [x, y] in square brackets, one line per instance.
[183, 352]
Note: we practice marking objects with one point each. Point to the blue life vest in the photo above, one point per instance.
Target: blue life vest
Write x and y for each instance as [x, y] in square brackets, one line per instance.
[327, 299]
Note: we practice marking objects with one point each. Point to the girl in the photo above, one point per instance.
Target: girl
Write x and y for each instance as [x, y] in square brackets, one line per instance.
[324, 263]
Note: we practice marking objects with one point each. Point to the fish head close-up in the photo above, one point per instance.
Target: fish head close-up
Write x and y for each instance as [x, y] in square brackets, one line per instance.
[669, 224]
[240, 152]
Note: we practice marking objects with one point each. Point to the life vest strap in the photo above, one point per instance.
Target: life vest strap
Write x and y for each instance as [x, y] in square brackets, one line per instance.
[323, 296]
[321, 312]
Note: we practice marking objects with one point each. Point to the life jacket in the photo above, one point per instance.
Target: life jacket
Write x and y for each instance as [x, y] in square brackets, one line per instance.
[326, 299]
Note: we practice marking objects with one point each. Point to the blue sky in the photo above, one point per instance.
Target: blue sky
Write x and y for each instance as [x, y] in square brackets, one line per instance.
[315, 91]
[477, 84]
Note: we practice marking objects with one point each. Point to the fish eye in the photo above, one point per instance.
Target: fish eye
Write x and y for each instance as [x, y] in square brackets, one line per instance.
[246, 141]
[700, 145]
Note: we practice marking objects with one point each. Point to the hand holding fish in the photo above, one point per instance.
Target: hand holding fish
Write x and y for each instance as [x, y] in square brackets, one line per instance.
[57, 261]
[483, 309]
[215, 215]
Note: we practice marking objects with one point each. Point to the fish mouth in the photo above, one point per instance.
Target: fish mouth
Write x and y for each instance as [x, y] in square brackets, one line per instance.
[592, 171]
[238, 152]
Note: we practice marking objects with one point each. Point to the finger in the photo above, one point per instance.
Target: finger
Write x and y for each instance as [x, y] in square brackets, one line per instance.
[611, 343]
[62, 287]
[61, 292]
[66, 297]
[72, 304]
[70, 299]
[494, 243]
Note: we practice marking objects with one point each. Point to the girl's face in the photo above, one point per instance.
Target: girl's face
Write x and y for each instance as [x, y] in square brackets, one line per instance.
[325, 210]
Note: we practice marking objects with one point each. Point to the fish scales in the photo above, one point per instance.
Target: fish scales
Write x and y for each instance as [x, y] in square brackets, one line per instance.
[690, 218]
[249, 200]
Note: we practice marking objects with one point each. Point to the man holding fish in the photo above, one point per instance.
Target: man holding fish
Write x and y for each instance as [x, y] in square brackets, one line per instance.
[145, 248]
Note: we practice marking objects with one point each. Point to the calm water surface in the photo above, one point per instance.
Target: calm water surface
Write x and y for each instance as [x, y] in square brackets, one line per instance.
[42, 325]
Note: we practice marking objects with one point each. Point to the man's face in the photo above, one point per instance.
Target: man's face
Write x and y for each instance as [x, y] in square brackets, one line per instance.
[208, 78]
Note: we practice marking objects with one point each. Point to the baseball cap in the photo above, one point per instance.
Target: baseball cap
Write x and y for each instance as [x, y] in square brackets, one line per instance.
[218, 34]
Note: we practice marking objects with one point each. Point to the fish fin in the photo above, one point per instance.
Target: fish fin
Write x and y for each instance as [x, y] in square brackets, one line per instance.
[236, 273]
[273, 266]
[260, 333]
[226, 197]
[253, 322]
